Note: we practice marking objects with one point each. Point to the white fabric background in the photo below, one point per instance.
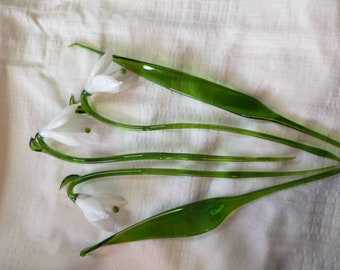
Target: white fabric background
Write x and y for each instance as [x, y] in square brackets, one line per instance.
[284, 52]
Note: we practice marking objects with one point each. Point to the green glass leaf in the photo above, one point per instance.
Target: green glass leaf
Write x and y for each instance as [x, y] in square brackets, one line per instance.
[218, 95]
[196, 218]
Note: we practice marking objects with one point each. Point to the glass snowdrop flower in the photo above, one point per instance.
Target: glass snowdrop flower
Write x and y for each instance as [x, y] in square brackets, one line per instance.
[50, 130]
[106, 76]
[99, 209]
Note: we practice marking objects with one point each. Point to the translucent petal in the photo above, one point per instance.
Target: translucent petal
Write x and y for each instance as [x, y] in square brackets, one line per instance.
[98, 209]
[104, 83]
[92, 208]
[62, 118]
[100, 67]
[108, 201]
[59, 136]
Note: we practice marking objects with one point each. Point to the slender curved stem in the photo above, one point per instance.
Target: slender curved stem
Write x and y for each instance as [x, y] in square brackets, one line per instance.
[308, 148]
[197, 217]
[72, 180]
[38, 144]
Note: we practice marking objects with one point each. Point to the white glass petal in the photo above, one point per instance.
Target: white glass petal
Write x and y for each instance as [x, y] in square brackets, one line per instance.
[59, 136]
[62, 118]
[104, 83]
[92, 208]
[100, 67]
[108, 201]
[98, 209]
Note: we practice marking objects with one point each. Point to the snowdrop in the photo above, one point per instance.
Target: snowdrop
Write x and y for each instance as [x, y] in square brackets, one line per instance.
[50, 130]
[99, 209]
[107, 76]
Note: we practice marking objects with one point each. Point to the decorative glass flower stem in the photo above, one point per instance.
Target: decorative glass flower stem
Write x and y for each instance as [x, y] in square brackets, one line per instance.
[209, 92]
[308, 148]
[197, 217]
[72, 180]
[38, 144]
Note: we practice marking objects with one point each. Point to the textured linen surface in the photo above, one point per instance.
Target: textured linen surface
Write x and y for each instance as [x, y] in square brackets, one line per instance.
[285, 53]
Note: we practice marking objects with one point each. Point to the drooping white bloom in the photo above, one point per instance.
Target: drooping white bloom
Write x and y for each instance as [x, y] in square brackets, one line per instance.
[99, 79]
[99, 209]
[106, 76]
[50, 132]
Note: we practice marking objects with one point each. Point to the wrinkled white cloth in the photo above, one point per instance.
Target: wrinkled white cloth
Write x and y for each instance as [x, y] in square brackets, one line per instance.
[286, 53]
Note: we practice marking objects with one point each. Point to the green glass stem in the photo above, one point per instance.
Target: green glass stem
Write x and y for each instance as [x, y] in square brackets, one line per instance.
[73, 180]
[212, 93]
[308, 148]
[38, 144]
[196, 218]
